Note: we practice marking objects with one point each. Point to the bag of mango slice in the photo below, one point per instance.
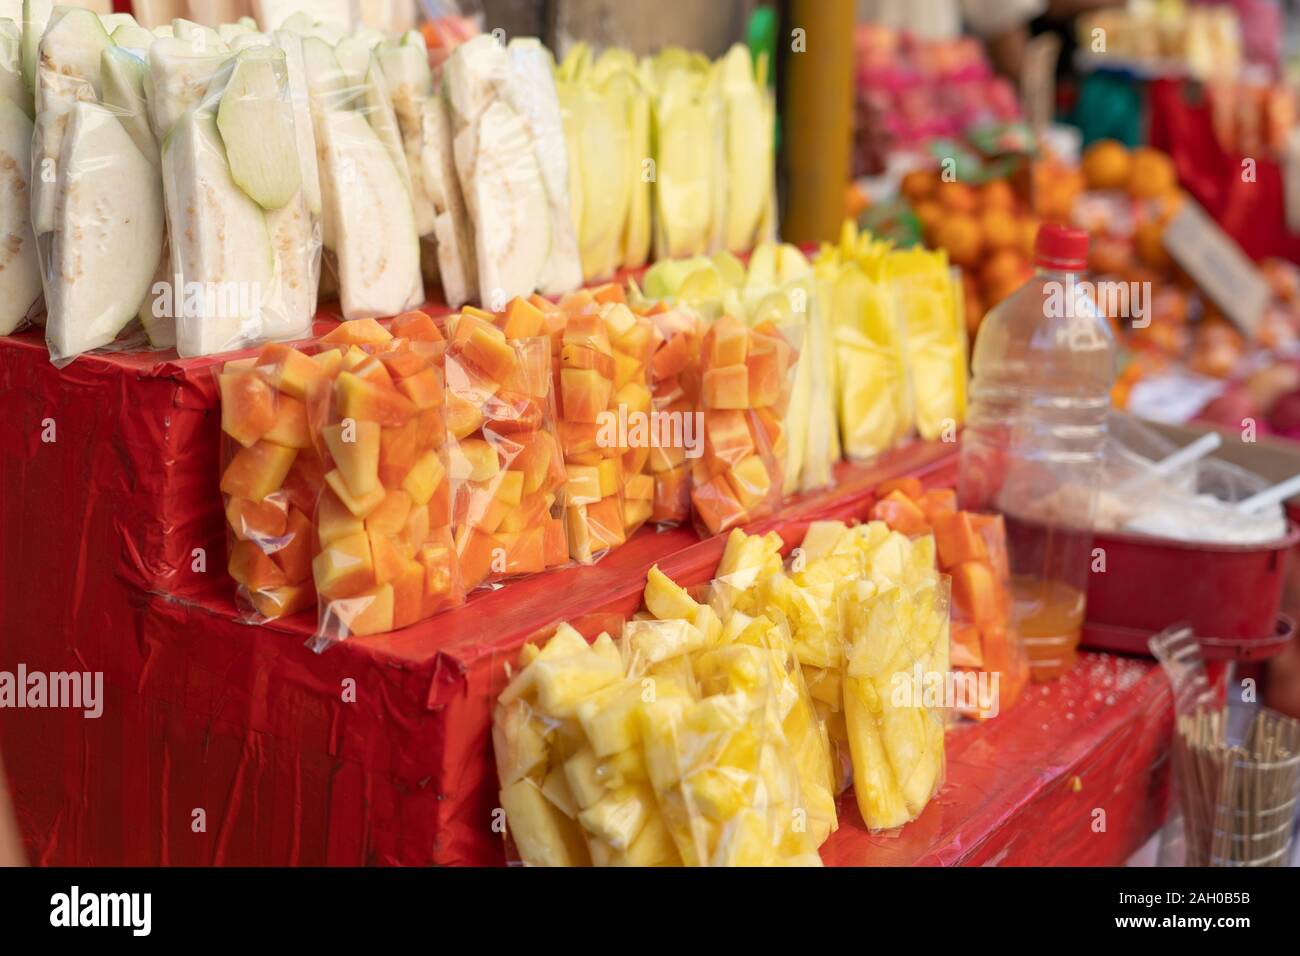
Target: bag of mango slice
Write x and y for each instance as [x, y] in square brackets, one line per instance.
[746, 382]
[507, 471]
[272, 476]
[675, 386]
[665, 747]
[868, 618]
[385, 557]
[928, 300]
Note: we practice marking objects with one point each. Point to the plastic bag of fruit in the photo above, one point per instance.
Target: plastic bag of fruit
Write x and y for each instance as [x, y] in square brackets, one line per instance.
[675, 386]
[928, 301]
[272, 476]
[746, 381]
[507, 471]
[385, 556]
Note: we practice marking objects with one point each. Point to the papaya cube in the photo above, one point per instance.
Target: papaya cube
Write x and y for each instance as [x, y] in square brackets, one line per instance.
[392, 514]
[294, 553]
[672, 501]
[363, 400]
[359, 505]
[401, 447]
[510, 488]
[523, 319]
[584, 393]
[717, 505]
[609, 292]
[369, 368]
[671, 358]
[764, 371]
[751, 481]
[253, 568]
[463, 416]
[422, 481]
[354, 447]
[303, 483]
[415, 533]
[726, 342]
[627, 369]
[958, 540]
[289, 370]
[975, 592]
[358, 332]
[257, 520]
[473, 459]
[334, 520]
[509, 411]
[424, 389]
[416, 327]
[532, 374]
[964, 647]
[272, 603]
[556, 542]
[579, 438]
[477, 552]
[529, 513]
[938, 501]
[901, 513]
[635, 397]
[605, 522]
[330, 362]
[584, 356]
[587, 329]
[248, 406]
[611, 476]
[257, 470]
[583, 484]
[533, 459]
[484, 345]
[408, 594]
[344, 567]
[911, 487]
[370, 612]
[386, 558]
[726, 386]
[636, 513]
[290, 426]
[726, 436]
[667, 458]
[528, 553]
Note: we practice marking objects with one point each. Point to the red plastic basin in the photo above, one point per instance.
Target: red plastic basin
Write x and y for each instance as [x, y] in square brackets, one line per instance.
[1230, 594]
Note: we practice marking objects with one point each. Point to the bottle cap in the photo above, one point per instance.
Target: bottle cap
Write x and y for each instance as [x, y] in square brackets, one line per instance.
[1061, 248]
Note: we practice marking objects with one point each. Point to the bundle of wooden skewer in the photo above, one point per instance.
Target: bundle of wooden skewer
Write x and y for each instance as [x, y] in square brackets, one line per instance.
[1238, 799]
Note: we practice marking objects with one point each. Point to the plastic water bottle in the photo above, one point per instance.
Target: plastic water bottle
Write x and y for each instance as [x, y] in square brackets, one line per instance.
[1042, 371]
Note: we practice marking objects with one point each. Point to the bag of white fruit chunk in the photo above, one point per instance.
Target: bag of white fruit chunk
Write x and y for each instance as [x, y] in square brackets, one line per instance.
[245, 241]
[384, 557]
[371, 211]
[20, 270]
[746, 386]
[96, 201]
[271, 476]
[897, 686]
[507, 471]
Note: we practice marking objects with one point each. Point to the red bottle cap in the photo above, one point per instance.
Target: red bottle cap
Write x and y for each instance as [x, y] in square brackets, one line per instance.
[1061, 248]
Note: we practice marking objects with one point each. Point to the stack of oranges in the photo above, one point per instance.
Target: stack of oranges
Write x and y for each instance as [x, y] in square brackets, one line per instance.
[985, 230]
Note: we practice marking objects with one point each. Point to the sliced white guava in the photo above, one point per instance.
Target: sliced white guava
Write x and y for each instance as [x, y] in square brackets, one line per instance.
[452, 229]
[353, 54]
[20, 272]
[325, 92]
[134, 38]
[295, 241]
[67, 72]
[303, 129]
[12, 87]
[178, 80]
[410, 83]
[377, 106]
[513, 229]
[108, 235]
[256, 123]
[222, 261]
[377, 245]
[200, 38]
[122, 77]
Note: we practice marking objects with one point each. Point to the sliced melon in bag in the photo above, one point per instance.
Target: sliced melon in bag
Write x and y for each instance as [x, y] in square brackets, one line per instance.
[377, 246]
[221, 247]
[20, 273]
[256, 123]
[68, 72]
[178, 80]
[108, 234]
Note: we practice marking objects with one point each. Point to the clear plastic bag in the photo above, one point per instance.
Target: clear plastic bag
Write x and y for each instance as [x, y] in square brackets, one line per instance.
[507, 469]
[745, 389]
[386, 557]
[675, 384]
[272, 476]
[245, 242]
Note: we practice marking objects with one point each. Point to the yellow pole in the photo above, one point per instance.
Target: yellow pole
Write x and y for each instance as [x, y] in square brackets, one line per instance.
[817, 117]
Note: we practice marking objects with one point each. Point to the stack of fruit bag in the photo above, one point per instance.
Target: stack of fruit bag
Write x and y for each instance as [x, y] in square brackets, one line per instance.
[868, 614]
[509, 483]
[972, 549]
[690, 740]
[900, 342]
[777, 291]
[601, 353]
[384, 555]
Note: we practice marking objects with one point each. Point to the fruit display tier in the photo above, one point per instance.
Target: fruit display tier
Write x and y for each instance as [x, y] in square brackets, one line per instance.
[221, 742]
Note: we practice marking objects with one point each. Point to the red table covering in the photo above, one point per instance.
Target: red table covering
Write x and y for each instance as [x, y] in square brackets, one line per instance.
[225, 743]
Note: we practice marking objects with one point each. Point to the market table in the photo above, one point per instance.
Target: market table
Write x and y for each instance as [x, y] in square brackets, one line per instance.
[222, 742]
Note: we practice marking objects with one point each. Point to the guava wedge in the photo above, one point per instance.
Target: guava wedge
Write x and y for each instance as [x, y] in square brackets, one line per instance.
[20, 272]
[108, 234]
[222, 258]
[255, 118]
[303, 130]
[406, 68]
[134, 38]
[178, 80]
[377, 245]
[122, 80]
[377, 106]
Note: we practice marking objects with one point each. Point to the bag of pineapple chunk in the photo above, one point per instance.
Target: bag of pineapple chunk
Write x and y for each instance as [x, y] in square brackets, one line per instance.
[245, 243]
[96, 195]
[927, 292]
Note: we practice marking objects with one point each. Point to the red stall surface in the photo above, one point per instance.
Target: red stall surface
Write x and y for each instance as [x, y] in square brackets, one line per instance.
[220, 742]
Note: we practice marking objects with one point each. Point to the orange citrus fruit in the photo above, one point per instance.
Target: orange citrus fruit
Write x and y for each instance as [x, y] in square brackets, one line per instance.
[1106, 165]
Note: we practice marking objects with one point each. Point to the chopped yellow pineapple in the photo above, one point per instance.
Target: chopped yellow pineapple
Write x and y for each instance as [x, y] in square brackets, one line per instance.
[543, 834]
